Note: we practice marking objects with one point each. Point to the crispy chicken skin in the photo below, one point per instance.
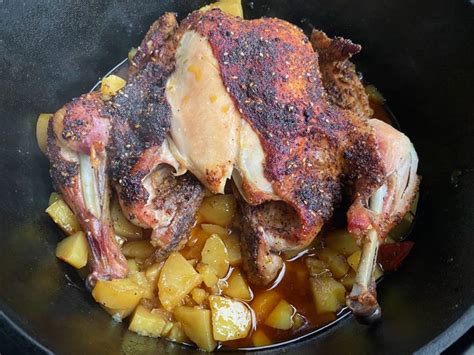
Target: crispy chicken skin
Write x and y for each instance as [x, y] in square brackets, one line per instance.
[339, 76]
[310, 146]
[77, 136]
[141, 161]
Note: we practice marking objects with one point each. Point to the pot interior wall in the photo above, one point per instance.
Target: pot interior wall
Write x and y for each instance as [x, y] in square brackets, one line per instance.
[417, 53]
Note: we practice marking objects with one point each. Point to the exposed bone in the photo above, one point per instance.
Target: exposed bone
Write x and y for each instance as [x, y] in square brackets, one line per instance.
[363, 298]
[90, 188]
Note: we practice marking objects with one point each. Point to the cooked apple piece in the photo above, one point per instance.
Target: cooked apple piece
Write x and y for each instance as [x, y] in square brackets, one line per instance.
[230, 319]
[342, 242]
[264, 303]
[219, 209]
[281, 317]
[62, 215]
[337, 263]
[120, 294]
[141, 249]
[237, 287]
[73, 250]
[122, 225]
[197, 325]
[259, 338]
[232, 244]
[215, 255]
[328, 294]
[147, 323]
[177, 279]
[208, 274]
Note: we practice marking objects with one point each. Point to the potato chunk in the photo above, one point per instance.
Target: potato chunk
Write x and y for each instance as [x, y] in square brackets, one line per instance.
[147, 323]
[141, 249]
[73, 250]
[219, 209]
[328, 294]
[281, 317]
[62, 215]
[231, 7]
[232, 244]
[120, 294]
[215, 255]
[111, 84]
[197, 325]
[177, 334]
[264, 303]
[42, 130]
[353, 260]
[230, 319]
[54, 197]
[336, 262]
[123, 227]
[317, 267]
[259, 338]
[177, 279]
[208, 275]
[214, 229]
[199, 295]
[237, 287]
[342, 242]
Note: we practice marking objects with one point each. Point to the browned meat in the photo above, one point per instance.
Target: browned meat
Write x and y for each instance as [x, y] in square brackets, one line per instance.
[77, 136]
[339, 75]
[141, 162]
[311, 147]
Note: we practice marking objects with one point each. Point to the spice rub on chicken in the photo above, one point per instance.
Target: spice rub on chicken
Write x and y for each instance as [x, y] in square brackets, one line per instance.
[303, 149]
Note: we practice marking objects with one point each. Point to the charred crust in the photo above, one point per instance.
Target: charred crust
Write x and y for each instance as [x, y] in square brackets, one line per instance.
[62, 171]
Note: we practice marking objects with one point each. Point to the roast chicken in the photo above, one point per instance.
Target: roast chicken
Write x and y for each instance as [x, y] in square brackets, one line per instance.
[219, 100]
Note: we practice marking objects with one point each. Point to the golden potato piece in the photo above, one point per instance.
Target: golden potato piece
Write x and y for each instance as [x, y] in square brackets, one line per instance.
[62, 215]
[218, 209]
[111, 84]
[230, 319]
[342, 242]
[42, 130]
[281, 317]
[264, 303]
[317, 267]
[197, 325]
[177, 278]
[232, 244]
[73, 250]
[208, 275]
[120, 294]
[214, 229]
[237, 287]
[231, 7]
[259, 338]
[147, 323]
[54, 197]
[337, 263]
[177, 334]
[123, 227]
[214, 253]
[328, 294]
[353, 260]
[199, 295]
[118, 314]
[141, 249]
[153, 272]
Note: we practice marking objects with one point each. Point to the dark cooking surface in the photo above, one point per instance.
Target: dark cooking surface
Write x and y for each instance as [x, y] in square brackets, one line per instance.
[419, 54]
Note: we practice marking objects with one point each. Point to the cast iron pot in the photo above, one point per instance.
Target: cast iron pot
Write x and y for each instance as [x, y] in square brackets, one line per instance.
[418, 53]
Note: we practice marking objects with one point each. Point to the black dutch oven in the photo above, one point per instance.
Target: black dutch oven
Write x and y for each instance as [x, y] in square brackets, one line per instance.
[418, 53]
